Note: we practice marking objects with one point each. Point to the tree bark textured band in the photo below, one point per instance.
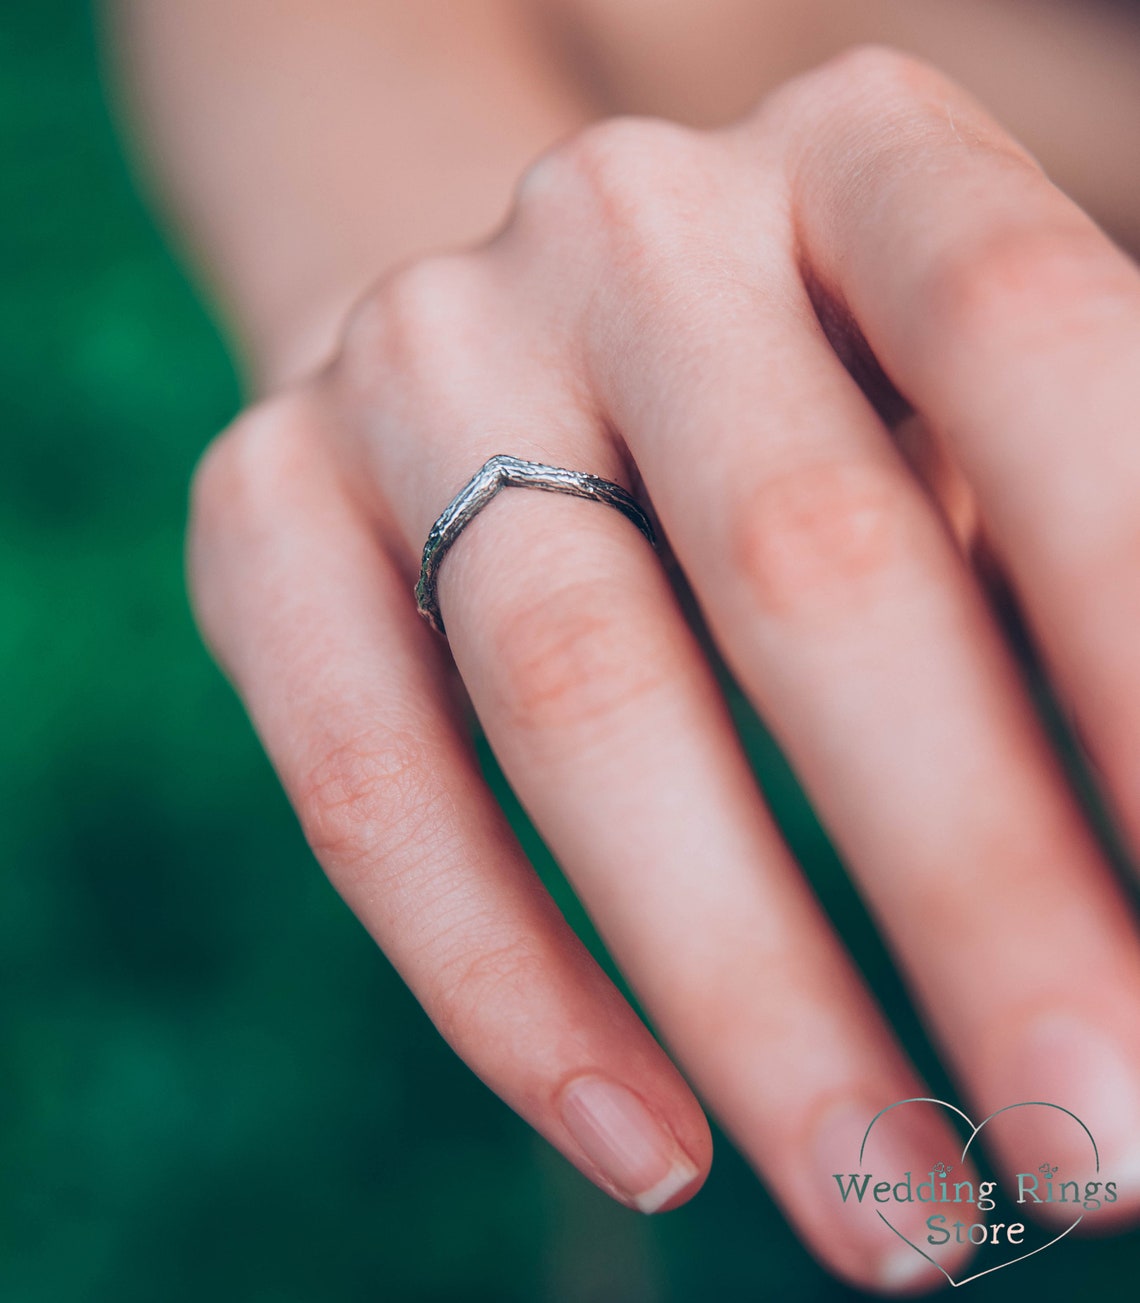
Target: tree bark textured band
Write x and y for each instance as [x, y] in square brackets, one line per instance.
[502, 472]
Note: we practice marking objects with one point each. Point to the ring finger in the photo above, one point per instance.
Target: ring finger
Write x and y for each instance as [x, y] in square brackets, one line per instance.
[609, 723]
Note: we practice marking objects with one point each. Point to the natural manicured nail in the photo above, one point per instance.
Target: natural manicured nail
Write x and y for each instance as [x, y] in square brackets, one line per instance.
[1071, 1062]
[909, 1139]
[902, 1269]
[621, 1137]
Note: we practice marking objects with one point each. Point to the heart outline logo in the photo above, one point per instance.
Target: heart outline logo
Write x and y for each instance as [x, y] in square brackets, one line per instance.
[974, 1133]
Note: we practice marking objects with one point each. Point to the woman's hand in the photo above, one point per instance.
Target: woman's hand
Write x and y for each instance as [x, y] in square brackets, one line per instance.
[652, 313]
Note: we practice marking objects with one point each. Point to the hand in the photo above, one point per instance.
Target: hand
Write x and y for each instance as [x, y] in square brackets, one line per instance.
[655, 301]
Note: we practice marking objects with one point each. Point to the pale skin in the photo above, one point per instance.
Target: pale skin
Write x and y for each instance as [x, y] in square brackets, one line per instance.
[441, 236]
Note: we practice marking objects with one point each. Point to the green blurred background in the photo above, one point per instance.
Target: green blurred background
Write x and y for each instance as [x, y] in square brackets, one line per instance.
[211, 1084]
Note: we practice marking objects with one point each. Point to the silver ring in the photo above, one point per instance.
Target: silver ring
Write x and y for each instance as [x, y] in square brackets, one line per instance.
[501, 472]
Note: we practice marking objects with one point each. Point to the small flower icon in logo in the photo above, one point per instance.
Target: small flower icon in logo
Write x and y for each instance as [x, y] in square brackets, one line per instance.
[944, 1169]
[1047, 1169]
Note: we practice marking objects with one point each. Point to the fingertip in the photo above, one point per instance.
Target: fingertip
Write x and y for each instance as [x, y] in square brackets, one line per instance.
[673, 1190]
[903, 1273]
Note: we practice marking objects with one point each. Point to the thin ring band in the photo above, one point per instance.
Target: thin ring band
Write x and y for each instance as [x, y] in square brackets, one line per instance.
[501, 472]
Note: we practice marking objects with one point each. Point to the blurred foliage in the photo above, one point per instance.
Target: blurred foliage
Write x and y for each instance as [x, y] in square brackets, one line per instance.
[211, 1084]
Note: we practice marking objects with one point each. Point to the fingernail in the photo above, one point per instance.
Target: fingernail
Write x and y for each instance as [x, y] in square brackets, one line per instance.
[619, 1135]
[908, 1139]
[1079, 1066]
[903, 1269]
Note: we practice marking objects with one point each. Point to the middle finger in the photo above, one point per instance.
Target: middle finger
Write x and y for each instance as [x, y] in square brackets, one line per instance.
[849, 615]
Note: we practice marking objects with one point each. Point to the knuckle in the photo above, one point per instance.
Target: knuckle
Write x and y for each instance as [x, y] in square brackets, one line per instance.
[610, 155]
[615, 171]
[216, 489]
[870, 65]
[406, 324]
[367, 803]
[816, 537]
[601, 158]
[216, 482]
[865, 73]
[871, 100]
[237, 475]
[221, 480]
[872, 114]
[1020, 275]
[236, 494]
[861, 75]
[569, 661]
